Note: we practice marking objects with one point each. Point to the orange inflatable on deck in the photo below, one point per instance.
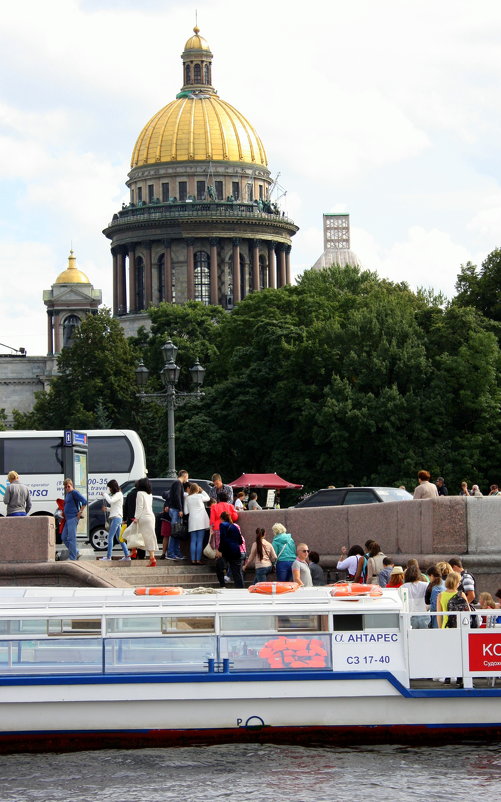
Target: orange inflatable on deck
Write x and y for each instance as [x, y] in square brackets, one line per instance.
[270, 588]
[172, 591]
[344, 589]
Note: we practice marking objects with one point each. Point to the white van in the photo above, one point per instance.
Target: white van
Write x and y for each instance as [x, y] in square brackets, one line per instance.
[37, 457]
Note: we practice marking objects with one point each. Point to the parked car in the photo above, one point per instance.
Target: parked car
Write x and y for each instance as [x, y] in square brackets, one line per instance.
[98, 535]
[337, 496]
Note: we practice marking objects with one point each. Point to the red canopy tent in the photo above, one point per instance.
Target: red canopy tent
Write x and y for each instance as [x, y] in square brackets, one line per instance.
[270, 481]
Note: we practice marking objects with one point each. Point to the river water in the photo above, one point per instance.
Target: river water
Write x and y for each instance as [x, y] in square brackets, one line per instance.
[263, 773]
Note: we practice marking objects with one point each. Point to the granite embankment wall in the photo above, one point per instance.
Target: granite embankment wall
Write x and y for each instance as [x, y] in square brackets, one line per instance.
[28, 557]
[428, 530]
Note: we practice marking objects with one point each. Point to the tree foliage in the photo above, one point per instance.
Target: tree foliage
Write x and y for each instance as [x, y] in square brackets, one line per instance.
[344, 377]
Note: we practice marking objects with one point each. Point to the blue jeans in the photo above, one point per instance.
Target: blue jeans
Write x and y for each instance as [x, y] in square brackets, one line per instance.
[115, 524]
[174, 547]
[196, 543]
[69, 537]
[262, 573]
[15, 514]
[284, 570]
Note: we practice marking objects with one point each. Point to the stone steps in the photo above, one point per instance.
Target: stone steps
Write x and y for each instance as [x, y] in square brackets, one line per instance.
[137, 573]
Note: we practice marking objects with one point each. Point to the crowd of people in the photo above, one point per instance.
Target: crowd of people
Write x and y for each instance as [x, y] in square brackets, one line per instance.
[443, 588]
[428, 489]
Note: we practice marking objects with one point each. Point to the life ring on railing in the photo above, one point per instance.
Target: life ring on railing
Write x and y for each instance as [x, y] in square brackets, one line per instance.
[355, 589]
[270, 588]
[169, 591]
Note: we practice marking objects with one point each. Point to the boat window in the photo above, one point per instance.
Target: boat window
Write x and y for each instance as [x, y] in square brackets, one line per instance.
[271, 623]
[302, 623]
[348, 623]
[381, 621]
[247, 623]
[31, 626]
[280, 652]
[74, 626]
[51, 656]
[174, 653]
[157, 624]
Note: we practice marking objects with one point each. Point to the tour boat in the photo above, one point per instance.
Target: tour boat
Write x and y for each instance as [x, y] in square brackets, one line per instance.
[94, 668]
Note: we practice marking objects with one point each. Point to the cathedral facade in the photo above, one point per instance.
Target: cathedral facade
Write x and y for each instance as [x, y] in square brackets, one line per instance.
[200, 223]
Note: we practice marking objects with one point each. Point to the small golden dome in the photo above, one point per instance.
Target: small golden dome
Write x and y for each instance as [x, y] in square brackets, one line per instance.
[198, 128]
[197, 42]
[72, 275]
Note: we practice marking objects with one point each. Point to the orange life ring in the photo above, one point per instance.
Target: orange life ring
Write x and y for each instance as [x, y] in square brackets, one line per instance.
[270, 588]
[355, 589]
[169, 591]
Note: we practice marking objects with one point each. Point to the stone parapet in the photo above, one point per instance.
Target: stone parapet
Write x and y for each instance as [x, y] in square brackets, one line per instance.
[30, 539]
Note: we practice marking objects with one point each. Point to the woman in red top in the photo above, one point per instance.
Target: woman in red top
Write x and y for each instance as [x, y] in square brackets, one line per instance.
[221, 505]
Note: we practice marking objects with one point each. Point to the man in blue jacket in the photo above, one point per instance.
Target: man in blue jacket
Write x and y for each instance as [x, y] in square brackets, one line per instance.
[74, 504]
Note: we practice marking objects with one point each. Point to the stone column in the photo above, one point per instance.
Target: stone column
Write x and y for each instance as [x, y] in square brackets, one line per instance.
[272, 266]
[50, 333]
[236, 270]
[281, 266]
[115, 281]
[255, 265]
[190, 270]
[132, 279]
[168, 270]
[214, 291]
[288, 249]
[148, 277]
[56, 321]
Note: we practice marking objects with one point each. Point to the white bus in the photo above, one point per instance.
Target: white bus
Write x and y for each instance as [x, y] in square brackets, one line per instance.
[38, 459]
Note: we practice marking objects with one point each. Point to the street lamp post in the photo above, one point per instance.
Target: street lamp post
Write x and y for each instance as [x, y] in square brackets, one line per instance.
[171, 397]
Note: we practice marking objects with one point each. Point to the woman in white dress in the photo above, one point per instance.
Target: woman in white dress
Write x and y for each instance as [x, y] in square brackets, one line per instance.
[198, 520]
[145, 518]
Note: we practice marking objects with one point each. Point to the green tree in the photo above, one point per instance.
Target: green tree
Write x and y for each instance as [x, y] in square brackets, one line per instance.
[95, 383]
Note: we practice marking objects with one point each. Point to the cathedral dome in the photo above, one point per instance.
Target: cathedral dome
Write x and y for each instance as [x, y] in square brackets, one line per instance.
[198, 125]
[198, 128]
[72, 275]
[197, 42]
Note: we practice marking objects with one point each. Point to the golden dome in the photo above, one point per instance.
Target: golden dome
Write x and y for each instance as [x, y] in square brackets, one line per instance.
[72, 275]
[197, 42]
[198, 128]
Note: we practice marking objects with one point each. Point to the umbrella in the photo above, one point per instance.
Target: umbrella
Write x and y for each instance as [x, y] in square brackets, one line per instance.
[270, 481]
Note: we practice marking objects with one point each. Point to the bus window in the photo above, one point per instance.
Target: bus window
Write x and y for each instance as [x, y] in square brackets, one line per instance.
[110, 455]
[34, 455]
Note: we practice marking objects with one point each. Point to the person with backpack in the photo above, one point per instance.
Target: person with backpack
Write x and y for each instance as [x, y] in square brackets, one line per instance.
[467, 581]
[451, 600]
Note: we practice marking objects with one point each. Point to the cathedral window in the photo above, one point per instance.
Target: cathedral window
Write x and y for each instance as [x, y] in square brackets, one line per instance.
[200, 190]
[263, 273]
[151, 193]
[139, 284]
[139, 194]
[202, 277]
[165, 192]
[183, 190]
[197, 74]
[70, 324]
[187, 74]
[219, 189]
[235, 190]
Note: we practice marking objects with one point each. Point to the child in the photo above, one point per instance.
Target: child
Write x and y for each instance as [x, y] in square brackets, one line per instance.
[385, 572]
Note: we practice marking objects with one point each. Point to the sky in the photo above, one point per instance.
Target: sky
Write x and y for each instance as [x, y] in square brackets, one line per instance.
[387, 110]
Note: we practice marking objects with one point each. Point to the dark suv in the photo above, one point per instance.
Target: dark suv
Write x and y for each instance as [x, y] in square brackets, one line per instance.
[337, 496]
[98, 535]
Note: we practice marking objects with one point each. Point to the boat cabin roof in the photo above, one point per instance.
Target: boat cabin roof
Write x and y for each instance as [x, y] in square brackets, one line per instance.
[24, 601]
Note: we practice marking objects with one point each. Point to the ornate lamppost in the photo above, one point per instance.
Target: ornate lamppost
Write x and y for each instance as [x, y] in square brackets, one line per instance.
[171, 397]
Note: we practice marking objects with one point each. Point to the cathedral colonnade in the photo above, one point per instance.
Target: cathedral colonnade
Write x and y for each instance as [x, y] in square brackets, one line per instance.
[212, 270]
